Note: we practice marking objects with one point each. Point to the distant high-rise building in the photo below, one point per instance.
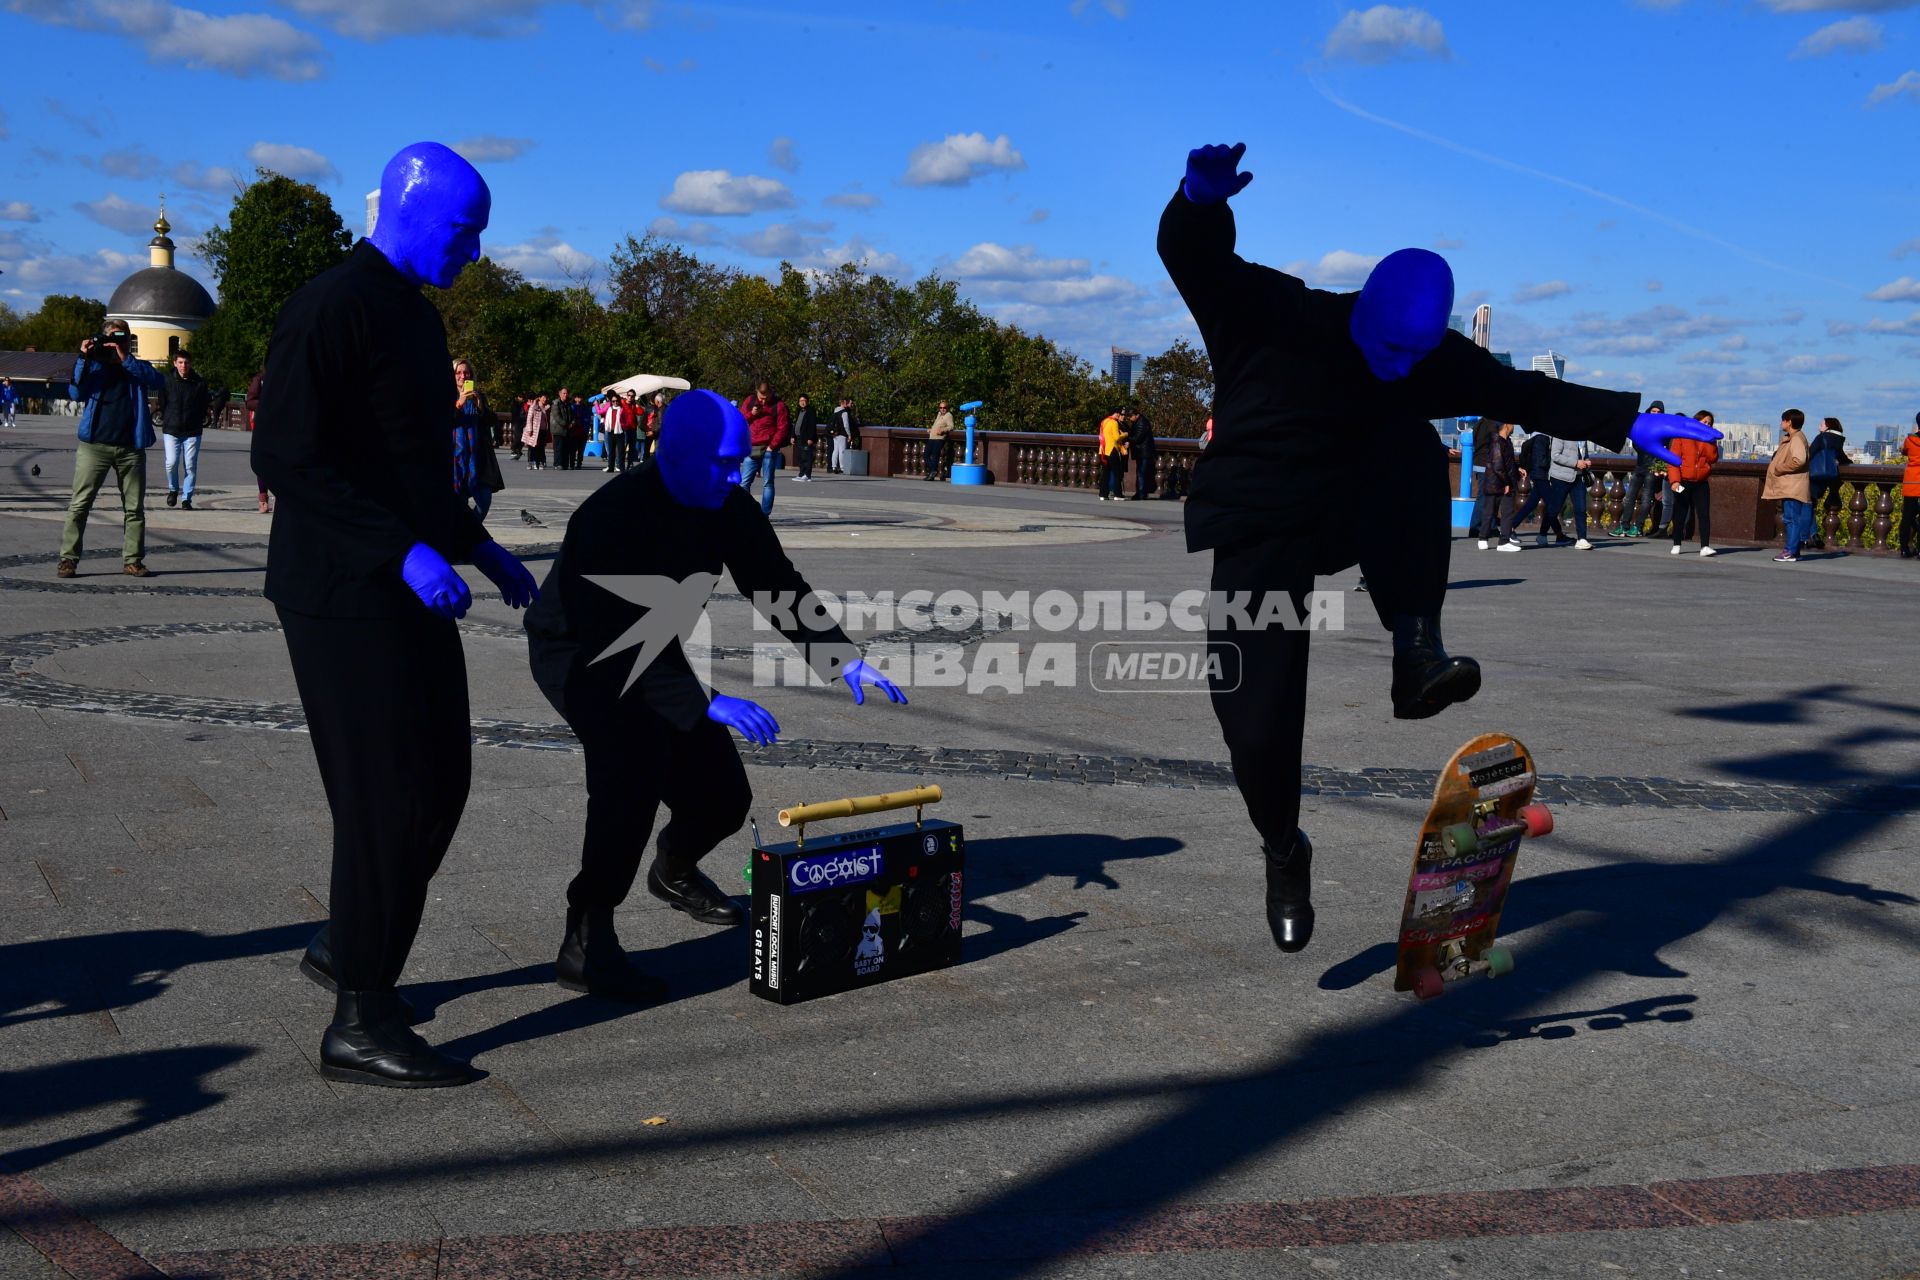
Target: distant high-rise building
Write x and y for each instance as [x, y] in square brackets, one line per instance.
[1553, 364]
[1483, 327]
[1886, 433]
[373, 209]
[1458, 325]
[1504, 357]
[1126, 367]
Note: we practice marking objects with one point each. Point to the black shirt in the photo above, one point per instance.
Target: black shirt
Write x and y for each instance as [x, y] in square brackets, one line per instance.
[354, 437]
[183, 404]
[632, 526]
[1295, 403]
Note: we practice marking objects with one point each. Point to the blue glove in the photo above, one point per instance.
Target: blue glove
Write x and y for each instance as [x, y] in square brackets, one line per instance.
[858, 673]
[427, 572]
[1213, 173]
[1651, 431]
[506, 573]
[750, 718]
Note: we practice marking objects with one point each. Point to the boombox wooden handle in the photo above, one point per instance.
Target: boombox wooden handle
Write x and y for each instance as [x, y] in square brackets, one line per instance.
[800, 815]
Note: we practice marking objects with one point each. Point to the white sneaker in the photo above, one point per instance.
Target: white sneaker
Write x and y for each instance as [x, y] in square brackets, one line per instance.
[1509, 546]
[1708, 551]
[1583, 545]
[1675, 551]
[1483, 544]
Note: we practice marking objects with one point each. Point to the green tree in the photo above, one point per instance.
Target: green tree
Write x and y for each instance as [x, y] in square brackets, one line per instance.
[62, 323]
[1175, 390]
[279, 235]
[10, 322]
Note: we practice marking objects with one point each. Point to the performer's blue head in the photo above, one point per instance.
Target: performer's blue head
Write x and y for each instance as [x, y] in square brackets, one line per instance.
[433, 207]
[702, 441]
[1402, 311]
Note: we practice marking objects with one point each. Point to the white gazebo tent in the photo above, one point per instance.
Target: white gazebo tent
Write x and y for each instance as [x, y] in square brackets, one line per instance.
[642, 385]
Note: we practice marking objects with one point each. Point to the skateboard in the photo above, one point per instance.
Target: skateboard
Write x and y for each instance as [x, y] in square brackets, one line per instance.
[1482, 809]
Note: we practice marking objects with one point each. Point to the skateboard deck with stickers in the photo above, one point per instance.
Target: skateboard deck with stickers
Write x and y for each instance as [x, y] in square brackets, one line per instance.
[1482, 810]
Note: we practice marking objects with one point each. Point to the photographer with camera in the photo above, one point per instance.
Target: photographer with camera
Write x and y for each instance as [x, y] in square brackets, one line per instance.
[115, 432]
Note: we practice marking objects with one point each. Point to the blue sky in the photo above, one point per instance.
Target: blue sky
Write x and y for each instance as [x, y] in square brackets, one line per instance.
[1711, 201]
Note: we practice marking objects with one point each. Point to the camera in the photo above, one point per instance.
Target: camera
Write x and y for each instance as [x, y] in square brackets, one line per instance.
[120, 342]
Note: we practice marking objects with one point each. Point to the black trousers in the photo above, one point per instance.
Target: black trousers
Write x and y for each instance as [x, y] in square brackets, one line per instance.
[803, 457]
[636, 762]
[1259, 677]
[617, 450]
[1693, 502]
[386, 705]
[1909, 519]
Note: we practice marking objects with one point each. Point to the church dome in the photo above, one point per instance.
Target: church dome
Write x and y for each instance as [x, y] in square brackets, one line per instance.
[161, 293]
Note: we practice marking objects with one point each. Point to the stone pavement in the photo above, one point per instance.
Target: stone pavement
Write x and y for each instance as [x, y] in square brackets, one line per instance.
[1707, 1062]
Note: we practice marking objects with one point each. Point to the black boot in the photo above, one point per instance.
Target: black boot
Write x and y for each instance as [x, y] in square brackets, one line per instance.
[1289, 893]
[318, 965]
[370, 1042]
[1425, 679]
[685, 888]
[592, 960]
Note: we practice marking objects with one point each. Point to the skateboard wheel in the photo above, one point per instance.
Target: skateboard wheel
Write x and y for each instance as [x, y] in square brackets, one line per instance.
[1460, 838]
[1499, 961]
[1539, 820]
[1427, 983]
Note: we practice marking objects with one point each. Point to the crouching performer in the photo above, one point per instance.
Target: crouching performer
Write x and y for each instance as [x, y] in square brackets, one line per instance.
[634, 572]
[1306, 381]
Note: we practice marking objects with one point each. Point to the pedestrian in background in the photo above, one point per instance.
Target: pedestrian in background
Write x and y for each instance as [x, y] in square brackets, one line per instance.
[476, 470]
[843, 435]
[1113, 458]
[1536, 464]
[1692, 498]
[937, 441]
[560, 429]
[1140, 444]
[9, 402]
[806, 435]
[537, 432]
[1826, 454]
[184, 404]
[766, 416]
[1567, 469]
[1639, 500]
[253, 417]
[1502, 483]
[1788, 481]
[1910, 494]
[111, 384]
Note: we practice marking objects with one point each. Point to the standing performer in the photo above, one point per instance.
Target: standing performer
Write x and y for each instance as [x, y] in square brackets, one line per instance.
[355, 437]
[658, 538]
[1305, 380]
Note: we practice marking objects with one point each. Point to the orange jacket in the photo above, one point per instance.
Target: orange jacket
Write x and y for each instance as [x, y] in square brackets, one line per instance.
[1910, 483]
[1696, 460]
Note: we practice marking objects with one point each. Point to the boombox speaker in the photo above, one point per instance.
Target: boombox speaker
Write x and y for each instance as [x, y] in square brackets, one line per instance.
[832, 913]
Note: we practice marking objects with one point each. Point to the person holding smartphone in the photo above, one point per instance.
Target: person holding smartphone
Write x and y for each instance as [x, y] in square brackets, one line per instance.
[476, 472]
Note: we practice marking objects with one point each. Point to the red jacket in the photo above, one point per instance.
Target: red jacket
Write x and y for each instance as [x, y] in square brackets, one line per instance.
[766, 420]
[1696, 460]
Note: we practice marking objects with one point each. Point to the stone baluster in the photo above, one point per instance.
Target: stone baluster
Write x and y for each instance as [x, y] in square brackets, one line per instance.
[1856, 516]
[1883, 519]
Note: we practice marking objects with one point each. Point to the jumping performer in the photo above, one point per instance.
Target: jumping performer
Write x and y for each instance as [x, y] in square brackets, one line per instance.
[355, 436]
[1306, 379]
[639, 559]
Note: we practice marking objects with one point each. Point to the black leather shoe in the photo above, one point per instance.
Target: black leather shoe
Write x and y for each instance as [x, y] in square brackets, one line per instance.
[1289, 893]
[370, 1042]
[1425, 679]
[688, 890]
[592, 960]
[318, 965]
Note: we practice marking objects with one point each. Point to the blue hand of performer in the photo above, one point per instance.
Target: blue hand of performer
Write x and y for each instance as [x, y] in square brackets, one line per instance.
[431, 578]
[858, 673]
[1213, 173]
[750, 718]
[506, 573]
[1652, 431]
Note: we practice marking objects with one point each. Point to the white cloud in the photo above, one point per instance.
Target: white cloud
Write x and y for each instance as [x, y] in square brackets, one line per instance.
[1116, 8]
[1817, 364]
[958, 159]
[1734, 342]
[1907, 86]
[1849, 35]
[1340, 267]
[546, 259]
[1905, 289]
[489, 147]
[378, 19]
[792, 241]
[214, 179]
[854, 199]
[856, 251]
[989, 261]
[18, 211]
[128, 162]
[119, 214]
[1542, 291]
[717, 193]
[1712, 357]
[3, 125]
[1386, 32]
[1829, 6]
[702, 233]
[1654, 286]
[302, 163]
[1057, 293]
[1911, 246]
[1445, 243]
[780, 155]
[238, 44]
[1038, 216]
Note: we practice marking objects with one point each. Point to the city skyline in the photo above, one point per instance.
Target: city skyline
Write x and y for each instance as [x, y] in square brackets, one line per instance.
[1739, 247]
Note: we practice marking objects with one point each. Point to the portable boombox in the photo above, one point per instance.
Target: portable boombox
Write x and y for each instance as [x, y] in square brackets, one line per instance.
[832, 913]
